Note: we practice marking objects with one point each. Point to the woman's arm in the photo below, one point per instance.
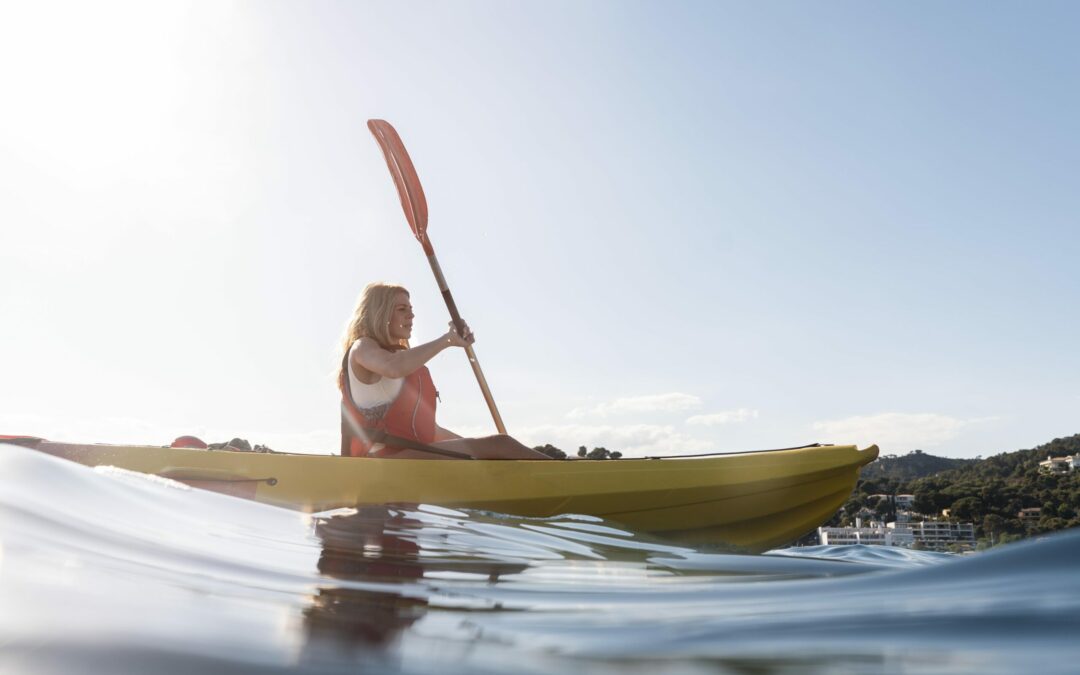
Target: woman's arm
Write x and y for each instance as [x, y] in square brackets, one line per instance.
[371, 356]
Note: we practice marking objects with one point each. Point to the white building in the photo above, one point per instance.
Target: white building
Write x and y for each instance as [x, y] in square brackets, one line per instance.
[1060, 464]
[902, 502]
[938, 536]
[930, 535]
[877, 536]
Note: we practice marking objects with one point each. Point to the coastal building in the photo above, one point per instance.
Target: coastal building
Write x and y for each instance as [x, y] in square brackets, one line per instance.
[878, 534]
[902, 502]
[1060, 464]
[928, 535]
[941, 535]
[1033, 513]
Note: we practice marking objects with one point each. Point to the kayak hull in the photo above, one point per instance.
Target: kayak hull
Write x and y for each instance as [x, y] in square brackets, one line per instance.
[751, 501]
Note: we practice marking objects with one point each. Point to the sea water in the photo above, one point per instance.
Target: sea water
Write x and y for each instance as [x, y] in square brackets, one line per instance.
[108, 571]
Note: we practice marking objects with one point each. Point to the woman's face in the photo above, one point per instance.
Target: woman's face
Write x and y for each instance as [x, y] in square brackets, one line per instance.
[401, 317]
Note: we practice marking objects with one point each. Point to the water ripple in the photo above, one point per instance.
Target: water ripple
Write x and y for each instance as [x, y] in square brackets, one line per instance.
[106, 570]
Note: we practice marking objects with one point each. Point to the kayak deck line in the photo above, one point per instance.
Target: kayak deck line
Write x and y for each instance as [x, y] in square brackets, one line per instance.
[733, 452]
[753, 500]
[30, 441]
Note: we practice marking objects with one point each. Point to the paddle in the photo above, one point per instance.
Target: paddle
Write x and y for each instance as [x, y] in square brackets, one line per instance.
[415, 207]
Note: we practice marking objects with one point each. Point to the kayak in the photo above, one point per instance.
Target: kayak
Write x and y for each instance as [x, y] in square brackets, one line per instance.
[751, 501]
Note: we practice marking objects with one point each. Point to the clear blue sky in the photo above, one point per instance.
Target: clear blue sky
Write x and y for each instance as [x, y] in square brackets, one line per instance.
[674, 227]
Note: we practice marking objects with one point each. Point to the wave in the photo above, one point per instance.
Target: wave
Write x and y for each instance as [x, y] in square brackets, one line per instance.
[114, 570]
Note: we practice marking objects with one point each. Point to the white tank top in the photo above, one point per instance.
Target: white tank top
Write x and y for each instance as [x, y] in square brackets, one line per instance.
[372, 397]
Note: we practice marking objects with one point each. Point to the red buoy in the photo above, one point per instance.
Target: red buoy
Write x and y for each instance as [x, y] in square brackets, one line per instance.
[188, 442]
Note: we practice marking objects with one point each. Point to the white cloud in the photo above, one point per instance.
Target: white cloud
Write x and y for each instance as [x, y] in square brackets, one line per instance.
[896, 432]
[671, 402]
[723, 417]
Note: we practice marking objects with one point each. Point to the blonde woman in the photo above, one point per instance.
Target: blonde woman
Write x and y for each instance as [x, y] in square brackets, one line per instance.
[387, 391]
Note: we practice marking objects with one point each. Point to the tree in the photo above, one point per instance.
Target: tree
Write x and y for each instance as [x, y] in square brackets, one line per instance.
[884, 508]
[993, 524]
[965, 509]
[926, 501]
[990, 492]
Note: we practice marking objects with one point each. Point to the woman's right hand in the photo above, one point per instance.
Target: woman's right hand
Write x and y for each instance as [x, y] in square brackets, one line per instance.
[455, 339]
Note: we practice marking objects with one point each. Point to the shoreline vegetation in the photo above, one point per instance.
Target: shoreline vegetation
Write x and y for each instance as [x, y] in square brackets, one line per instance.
[582, 452]
[1008, 497]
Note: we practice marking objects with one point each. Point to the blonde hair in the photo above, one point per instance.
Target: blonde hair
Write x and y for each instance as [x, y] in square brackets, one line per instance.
[371, 319]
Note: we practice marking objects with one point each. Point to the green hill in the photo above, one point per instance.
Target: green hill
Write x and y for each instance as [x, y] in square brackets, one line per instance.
[913, 465]
[991, 492]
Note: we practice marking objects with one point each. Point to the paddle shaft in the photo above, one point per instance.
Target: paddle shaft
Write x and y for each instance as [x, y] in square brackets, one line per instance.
[455, 315]
[414, 204]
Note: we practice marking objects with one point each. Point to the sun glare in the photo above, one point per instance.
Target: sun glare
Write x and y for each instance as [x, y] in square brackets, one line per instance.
[100, 88]
[96, 81]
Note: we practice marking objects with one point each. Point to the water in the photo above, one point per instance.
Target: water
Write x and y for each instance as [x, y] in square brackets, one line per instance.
[106, 571]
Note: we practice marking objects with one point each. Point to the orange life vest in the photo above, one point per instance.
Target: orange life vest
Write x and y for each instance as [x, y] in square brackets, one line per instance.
[411, 415]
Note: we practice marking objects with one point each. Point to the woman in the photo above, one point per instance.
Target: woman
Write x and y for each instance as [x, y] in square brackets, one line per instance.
[387, 390]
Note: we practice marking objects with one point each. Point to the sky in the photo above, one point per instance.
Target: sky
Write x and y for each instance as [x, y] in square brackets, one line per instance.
[675, 227]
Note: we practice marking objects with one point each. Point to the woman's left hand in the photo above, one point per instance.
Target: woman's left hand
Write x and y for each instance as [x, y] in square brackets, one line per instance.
[462, 339]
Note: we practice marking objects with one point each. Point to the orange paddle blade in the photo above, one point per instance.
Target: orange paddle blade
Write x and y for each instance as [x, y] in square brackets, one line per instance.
[405, 178]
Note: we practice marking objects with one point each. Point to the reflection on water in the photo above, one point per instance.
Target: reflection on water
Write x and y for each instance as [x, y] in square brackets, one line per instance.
[376, 545]
[104, 571]
[356, 548]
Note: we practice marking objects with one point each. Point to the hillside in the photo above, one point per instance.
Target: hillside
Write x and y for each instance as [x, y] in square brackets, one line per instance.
[991, 492]
[913, 465]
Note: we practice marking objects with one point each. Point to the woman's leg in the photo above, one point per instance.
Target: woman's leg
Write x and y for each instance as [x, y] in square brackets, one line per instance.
[499, 446]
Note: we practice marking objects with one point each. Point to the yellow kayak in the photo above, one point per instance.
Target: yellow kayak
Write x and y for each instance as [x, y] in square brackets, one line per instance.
[754, 500]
